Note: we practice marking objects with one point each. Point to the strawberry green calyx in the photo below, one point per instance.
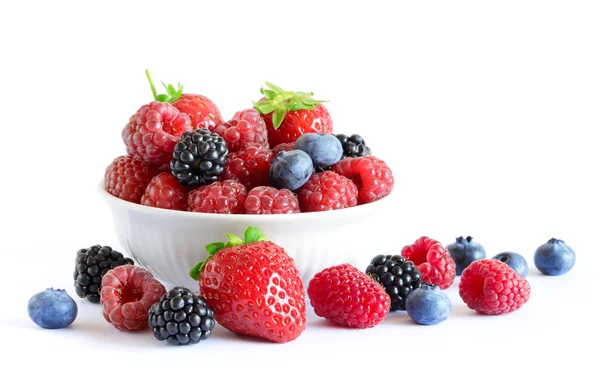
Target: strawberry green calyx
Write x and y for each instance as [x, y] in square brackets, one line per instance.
[251, 235]
[279, 102]
[172, 94]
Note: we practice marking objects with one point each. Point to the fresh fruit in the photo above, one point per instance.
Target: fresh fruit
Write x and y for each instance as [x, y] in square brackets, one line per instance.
[290, 170]
[433, 260]
[554, 257]
[181, 318]
[515, 261]
[203, 113]
[253, 287]
[372, 176]
[428, 305]
[283, 147]
[398, 276]
[245, 129]
[199, 158]
[52, 309]
[225, 197]
[327, 191]
[324, 149]
[166, 192]
[491, 287]
[464, 251]
[127, 178]
[249, 167]
[353, 145]
[268, 200]
[348, 297]
[91, 264]
[127, 293]
[290, 114]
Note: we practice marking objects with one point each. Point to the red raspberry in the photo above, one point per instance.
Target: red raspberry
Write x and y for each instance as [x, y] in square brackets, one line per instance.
[372, 176]
[249, 166]
[347, 296]
[166, 192]
[127, 293]
[243, 130]
[327, 191]
[225, 197]
[268, 200]
[152, 132]
[433, 260]
[202, 111]
[283, 147]
[491, 287]
[127, 178]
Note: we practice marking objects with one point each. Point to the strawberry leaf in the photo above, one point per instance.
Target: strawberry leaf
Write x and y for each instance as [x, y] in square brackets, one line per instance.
[278, 116]
[172, 94]
[253, 234]
[213, 248]
[234, 241]
[195, 272]
[264, 107]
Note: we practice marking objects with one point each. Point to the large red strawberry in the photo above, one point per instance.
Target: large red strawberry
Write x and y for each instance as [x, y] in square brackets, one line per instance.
[290, 114]
[254, 287]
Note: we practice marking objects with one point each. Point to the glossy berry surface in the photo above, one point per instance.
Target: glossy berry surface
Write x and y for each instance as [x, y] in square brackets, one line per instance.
[372, 176]
[554, 257]
[269, 200]
[283, 147]
[52, 309]
[428, 305]
[166, 192]
[324, 149]
[202, 111]
[290, 170]
[353, 145]
[397, 275]
[348, 297]
[515, 261]
[433, 260]
[327, 191]
[491, 287]
[127, 178]
[127, 293]
[245, 129]
[464, 251]
[225, 197]
[250, 166]
[181, 318]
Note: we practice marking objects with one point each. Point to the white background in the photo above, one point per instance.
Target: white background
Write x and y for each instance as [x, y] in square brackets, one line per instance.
[487, 112]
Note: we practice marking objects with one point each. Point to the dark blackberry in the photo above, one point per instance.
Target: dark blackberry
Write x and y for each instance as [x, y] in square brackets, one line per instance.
[91, 265]
[181, 318]
[354, 146]
[199, 158]
[397, 275]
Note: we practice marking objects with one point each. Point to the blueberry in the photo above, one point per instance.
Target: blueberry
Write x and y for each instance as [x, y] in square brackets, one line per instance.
[515, 261]
[464, 251]
[290, 169]
[52, 309]
[323, 149]
[554, 258]
[428, 305]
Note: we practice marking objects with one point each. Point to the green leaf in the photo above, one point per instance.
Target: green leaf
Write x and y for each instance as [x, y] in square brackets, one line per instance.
[234, 241]
[274, 87]
[278, 116]
[213, 248]
[195, 272]
[162, 98]
[253, 234]
[269, 94]
[171, 90]
[152, 87]
[179, 92]
[264, 107]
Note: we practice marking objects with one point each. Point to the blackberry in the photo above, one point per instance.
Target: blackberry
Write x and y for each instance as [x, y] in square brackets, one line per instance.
[353, 146]
[397, 275]
[181, 318]
[91, 265]
[199, 158]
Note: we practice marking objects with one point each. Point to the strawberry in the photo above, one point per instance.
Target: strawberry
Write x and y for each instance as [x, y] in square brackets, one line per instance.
[254, 287]
[290, 114]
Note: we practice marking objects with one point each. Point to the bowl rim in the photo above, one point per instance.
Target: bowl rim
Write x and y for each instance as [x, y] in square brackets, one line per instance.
[340, 213]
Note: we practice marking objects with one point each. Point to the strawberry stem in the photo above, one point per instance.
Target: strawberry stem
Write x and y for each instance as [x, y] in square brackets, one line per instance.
[172, 94]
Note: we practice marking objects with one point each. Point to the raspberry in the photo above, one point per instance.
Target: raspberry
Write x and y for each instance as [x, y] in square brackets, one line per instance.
[244, 129]
[347, 296]
[127, 293]
[283, 147]
[372, 176]
[225, 197]
[127, 178]
[327, 191]
[166, 192]
[269, 200]
[433, 260]
[202, 111]
[153, 131]
[250, 166]
[491, 287]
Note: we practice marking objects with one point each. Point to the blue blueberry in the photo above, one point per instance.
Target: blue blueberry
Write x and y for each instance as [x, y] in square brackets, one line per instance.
[52, 309]
[323, 149]
[554, 258]
[290, 169]
[464, 251]
[428, 305]
[515, 261]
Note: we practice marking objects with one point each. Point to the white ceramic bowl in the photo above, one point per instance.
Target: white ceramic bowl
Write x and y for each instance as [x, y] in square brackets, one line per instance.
[169, 243]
